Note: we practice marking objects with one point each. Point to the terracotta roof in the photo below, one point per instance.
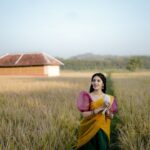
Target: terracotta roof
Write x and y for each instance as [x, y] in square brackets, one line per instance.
[34, 59]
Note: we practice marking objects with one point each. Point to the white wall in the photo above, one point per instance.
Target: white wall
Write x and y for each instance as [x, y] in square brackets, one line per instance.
[52, 70]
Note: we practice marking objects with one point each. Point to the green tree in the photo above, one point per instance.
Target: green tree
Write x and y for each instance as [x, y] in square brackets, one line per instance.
[134, 63]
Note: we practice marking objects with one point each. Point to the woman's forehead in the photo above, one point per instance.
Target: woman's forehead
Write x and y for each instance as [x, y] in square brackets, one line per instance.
[96, 77]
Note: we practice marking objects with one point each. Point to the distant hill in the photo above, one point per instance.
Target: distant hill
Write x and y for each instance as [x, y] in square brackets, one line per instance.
[90, 56]
[89, 61]
[84, 56]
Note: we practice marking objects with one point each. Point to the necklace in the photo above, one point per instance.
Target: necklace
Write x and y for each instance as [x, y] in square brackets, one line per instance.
[96, 96]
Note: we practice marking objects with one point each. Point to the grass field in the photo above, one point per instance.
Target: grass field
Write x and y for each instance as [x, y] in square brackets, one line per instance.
[41, 113]
[132, 91]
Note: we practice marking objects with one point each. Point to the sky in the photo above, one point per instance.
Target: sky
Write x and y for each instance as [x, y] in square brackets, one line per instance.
[65, 28]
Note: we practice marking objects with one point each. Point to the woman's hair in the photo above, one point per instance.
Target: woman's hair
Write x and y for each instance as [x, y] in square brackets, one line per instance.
[103, 78]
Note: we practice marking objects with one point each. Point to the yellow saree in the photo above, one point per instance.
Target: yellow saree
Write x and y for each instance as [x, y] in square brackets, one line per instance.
[89, 126]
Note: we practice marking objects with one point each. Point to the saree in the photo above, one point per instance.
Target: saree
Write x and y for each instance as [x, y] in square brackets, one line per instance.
[95, 128]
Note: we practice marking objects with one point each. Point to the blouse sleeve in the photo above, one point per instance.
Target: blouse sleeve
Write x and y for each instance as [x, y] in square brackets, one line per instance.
[114, 106]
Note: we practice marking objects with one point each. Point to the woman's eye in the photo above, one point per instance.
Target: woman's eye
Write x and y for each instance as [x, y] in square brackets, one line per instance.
[96, 80]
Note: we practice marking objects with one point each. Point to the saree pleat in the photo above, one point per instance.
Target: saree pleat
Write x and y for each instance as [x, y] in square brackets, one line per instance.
[94, 126]
[98, 142]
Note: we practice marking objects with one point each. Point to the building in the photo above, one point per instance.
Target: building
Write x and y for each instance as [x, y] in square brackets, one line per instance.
[29, 64]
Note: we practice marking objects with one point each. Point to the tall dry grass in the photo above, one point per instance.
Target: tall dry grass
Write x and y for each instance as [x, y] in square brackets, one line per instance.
[39, 113]
[133, 93]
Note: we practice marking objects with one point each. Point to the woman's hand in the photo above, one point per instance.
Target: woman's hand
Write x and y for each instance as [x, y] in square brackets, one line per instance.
[109, 114]
[99, 109]
[96, 111]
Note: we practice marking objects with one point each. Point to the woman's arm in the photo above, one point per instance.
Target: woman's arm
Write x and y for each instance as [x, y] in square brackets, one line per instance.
[92, 112]
[87, 113]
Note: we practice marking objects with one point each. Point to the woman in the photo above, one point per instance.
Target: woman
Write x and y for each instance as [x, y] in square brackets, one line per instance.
[94, 131]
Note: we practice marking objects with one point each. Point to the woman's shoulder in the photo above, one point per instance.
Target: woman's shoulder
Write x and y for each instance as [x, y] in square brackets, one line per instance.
[110, 96]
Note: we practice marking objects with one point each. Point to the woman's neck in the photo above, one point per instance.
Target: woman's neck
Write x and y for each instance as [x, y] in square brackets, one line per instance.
[96, 95]
[97, 92]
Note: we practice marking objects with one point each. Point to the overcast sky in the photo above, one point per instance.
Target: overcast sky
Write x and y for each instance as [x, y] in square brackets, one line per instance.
[65, 28]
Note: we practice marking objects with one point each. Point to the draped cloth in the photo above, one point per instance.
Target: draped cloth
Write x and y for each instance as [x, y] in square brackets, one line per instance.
[89, 126]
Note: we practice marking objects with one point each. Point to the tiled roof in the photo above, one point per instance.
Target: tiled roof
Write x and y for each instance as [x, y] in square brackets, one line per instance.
[34, 59]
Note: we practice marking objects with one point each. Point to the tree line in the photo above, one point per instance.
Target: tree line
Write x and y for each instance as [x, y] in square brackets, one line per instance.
[111, 62]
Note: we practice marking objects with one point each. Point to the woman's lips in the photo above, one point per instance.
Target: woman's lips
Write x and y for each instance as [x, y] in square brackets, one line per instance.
[95, 86]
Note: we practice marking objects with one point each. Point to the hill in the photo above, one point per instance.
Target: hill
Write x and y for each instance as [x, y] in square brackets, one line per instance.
[89, 61]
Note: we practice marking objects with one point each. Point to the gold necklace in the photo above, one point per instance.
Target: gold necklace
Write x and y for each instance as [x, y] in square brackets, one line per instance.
[97, 96]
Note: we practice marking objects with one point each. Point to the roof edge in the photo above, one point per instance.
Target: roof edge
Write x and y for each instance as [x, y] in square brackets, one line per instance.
[52, 57]
[4, 55]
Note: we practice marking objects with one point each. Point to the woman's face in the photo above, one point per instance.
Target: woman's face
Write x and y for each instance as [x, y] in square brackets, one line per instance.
[97, 83]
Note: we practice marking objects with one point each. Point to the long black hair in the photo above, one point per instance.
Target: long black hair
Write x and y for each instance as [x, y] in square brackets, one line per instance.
[103, 78]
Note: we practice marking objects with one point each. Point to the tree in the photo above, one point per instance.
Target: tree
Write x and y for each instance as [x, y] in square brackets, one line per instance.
[133, 63]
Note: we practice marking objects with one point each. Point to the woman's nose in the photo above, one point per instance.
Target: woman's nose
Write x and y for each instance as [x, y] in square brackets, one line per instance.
[95, 82]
